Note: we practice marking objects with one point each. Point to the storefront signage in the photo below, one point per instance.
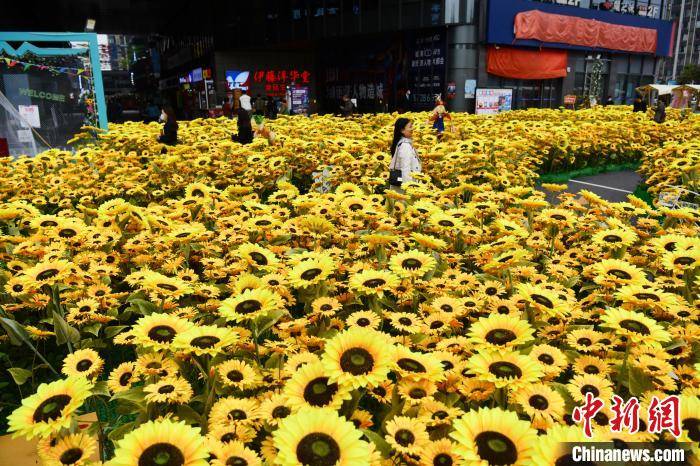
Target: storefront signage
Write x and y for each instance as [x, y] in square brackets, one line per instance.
[493, 101]
[427, 67]
[300, 99]
[25, 91]
[276, 81]
[569, 99]
[196, 75]
[237, 79]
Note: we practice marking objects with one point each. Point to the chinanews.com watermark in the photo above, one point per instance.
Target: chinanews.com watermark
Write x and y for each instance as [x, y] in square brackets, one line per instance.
[633, 453]
[663, 416]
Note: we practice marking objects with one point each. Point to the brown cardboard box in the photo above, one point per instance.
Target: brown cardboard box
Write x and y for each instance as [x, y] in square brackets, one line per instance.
[21, 452]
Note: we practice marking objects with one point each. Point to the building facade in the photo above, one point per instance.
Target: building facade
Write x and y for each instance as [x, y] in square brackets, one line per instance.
[398, 54]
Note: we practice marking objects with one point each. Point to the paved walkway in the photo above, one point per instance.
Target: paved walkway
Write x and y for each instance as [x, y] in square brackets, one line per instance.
[612, 186]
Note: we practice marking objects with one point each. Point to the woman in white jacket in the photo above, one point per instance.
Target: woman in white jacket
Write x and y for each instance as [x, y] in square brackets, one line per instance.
[404, 156]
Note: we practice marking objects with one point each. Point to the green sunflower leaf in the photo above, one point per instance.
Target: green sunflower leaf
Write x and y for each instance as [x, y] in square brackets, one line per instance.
[379, 442]
[19, 375]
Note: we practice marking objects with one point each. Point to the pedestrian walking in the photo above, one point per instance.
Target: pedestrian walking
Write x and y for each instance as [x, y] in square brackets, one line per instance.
[245, 102]
[660, 112]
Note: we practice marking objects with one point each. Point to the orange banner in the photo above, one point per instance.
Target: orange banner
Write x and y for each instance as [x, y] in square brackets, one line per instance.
[517, 63]
[562, 29]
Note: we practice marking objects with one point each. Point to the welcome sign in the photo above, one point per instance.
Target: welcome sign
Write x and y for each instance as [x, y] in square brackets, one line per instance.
[25, 91]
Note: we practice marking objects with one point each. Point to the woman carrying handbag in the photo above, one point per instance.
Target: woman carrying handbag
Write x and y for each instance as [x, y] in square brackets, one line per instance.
[404, 160]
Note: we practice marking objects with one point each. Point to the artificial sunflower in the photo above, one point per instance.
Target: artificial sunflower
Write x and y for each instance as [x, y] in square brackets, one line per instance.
[250, 304]
[161, 443]
[71, 450]
[174, 390]
[406, 435]
[505, 368]
[157, 331]
[319, 437]
[205, 339]
[50, 409]
[493, 436]
[500, 330]
[358, 357]
[635, 326]
[83, 362]
[311, 386]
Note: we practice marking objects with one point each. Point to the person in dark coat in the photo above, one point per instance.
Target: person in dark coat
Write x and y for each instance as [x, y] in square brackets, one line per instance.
[660, 112]
[639, 105]
[245, 130]
[169, 135]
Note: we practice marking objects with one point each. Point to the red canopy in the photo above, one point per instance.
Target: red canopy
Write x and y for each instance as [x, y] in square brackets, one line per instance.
[562, 29]
[518, 63]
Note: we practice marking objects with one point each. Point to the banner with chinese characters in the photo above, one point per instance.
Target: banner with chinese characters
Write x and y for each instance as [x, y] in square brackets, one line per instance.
[275, 82]
[426, 67]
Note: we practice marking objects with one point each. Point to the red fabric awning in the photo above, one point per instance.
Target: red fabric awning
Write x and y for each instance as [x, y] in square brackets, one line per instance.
[562, 29]
[517, 63]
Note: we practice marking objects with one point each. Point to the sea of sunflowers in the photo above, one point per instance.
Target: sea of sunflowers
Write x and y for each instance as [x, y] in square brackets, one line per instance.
[222, 305]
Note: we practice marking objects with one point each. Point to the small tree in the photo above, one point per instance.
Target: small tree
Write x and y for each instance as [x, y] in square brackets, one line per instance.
[690, 74]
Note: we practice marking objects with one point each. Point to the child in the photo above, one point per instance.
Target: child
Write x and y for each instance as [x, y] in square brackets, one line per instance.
[439, 115]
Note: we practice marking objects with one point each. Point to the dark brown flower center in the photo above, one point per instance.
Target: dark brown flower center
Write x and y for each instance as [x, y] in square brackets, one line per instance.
[51, 408]
[543, 300]
[496, 448]
[411, 264]
[318, 449]
[161, 454]
[162, 334]
[71, 456]
[404, 437]
[280, 412]
[505, 369]
[83, 365]
[410, 365]
[205, 341]
[500, 336]
[546, 359]
[237, 415]
[311, 274]
[234, 376]
[319, 392]
[635, 326]
[46, 274]
[590, 389]
[357, 361]
[166, 389]
[248, 306]
[620, 274]
[538, 402]
[258, 258]
[125, 378]
[442, 459]
[374, 282]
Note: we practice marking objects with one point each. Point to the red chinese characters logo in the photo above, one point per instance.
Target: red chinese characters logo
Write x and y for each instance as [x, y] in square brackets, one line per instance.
[626, 415]
[665, 415]
[587, 412]
[662, 414]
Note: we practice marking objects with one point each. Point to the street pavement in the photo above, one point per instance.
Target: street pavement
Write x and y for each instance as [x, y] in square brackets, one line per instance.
[612, 186]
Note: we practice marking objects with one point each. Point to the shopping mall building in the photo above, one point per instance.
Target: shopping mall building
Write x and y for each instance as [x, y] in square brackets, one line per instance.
[390, 54]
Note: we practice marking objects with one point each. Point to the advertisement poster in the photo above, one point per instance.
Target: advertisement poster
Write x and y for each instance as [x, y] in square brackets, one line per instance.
[237, 80]
[31, 114]
[451, 90]
[300, 100]
[493, 101]
[469, 88]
